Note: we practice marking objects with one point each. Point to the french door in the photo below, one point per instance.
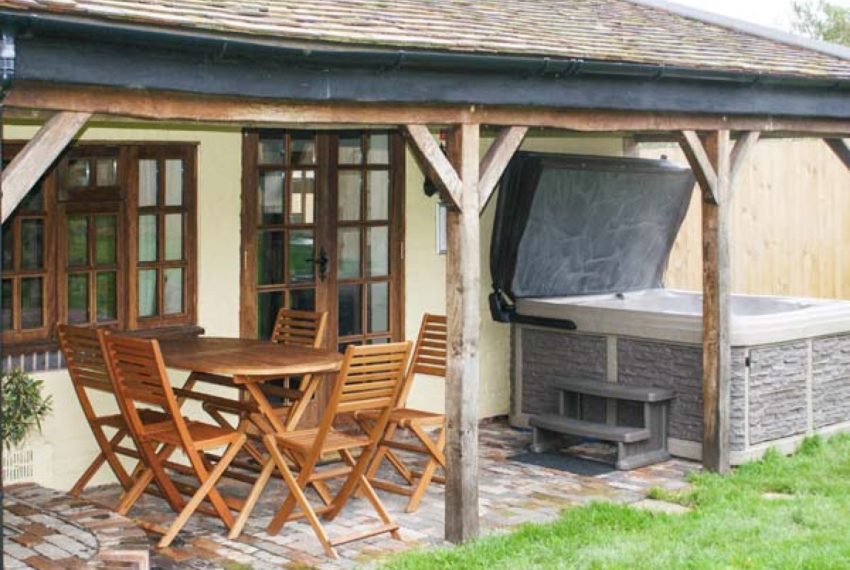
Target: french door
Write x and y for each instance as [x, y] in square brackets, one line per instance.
[322, 229]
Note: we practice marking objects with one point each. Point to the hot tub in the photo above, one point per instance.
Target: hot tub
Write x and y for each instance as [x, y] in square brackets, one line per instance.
[790, 362]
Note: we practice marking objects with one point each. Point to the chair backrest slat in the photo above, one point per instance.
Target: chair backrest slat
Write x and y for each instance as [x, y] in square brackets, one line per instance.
[84, 358]
[429, 354]
[137, 372]
[302, 328]
[370, 378]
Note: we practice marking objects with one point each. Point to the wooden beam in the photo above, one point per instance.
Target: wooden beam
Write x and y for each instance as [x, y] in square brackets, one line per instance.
[167, 106]
[840, 148]
[433, 161]
[35, 158]
[741, 151]
[716, 349]
[700, 164]
[463, 281]
[496, 160]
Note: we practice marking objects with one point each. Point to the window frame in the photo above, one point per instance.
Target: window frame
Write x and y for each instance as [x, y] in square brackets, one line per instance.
[190, 258]
[90, 201]
[48, 270]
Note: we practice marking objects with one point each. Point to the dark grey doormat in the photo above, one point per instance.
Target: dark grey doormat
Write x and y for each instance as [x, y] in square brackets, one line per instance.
[564, 462]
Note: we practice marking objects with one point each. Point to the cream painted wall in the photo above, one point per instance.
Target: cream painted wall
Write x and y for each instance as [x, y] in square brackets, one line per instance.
[66, 443]
[426, 275]
[67, 446]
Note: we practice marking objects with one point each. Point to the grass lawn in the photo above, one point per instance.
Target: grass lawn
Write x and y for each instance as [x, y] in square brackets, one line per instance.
[732, 525]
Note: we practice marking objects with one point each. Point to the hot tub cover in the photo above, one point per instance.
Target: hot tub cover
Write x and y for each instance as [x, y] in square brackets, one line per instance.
[575, 225]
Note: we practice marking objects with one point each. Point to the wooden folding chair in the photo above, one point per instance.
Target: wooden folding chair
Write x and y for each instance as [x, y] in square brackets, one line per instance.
[139, 379]
[87, 368]
[429, 358]
[370, 379]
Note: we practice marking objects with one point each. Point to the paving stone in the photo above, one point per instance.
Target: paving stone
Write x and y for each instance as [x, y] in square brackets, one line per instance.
[10, 563]
[42, 563]
[511, 493]
[777, 496]
[661, 507]
[51, 551]
[16, 550]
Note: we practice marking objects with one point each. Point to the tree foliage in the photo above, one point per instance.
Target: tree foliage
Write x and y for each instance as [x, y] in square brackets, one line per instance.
[822, 20]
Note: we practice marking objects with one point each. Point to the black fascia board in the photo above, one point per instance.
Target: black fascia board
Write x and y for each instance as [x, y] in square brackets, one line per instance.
[74, 52]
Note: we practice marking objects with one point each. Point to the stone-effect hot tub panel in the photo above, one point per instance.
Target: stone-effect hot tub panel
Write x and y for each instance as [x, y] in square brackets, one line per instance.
[779, 392]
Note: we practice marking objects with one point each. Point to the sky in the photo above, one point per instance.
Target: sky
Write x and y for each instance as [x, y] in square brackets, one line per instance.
[771, 13]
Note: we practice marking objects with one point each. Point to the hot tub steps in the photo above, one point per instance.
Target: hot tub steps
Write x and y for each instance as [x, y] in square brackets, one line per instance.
[581, 428]
[636, 446]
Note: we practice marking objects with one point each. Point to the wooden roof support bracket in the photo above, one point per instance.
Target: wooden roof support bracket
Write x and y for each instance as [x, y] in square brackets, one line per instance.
[697, 157]
[740, 152]
[35, 158]
[840, 148]
[434, 162]
[496, 160]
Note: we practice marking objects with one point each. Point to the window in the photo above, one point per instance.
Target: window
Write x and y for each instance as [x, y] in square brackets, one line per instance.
[107, 238]
[164, 206]
[27, 270]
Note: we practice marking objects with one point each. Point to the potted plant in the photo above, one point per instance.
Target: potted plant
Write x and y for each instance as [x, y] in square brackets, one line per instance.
[24, 407]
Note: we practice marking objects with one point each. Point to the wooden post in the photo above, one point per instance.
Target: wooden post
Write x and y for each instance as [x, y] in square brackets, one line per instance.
[463, 268]
[716, 350]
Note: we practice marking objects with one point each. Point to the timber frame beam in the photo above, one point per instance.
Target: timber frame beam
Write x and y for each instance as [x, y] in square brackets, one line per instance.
[496, 160]
[30, 164]
[716, 164]
[167, 106]
[434, 163]
[469, 182]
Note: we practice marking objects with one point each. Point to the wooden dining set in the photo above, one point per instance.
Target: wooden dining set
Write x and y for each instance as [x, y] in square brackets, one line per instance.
[256, 434]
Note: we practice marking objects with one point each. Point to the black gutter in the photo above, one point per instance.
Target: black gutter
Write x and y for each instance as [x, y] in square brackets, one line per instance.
[320, 56]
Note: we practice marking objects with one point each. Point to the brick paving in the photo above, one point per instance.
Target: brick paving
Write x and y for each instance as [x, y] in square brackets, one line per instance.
[47, 529]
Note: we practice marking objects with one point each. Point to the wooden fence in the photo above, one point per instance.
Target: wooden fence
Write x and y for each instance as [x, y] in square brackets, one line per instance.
[790, 223]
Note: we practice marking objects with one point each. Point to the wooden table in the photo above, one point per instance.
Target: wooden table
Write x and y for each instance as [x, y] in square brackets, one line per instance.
[251, 362]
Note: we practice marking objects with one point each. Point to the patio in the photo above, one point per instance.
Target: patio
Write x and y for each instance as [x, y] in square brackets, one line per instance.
[49, 530]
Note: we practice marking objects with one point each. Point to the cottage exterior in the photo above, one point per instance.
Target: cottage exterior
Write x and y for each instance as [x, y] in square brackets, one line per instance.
[224, 148]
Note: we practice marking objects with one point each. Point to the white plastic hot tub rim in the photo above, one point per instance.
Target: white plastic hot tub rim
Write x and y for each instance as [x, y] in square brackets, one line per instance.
[822, 317]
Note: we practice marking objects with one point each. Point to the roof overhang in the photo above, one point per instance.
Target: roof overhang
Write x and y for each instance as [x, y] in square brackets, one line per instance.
[76, 51]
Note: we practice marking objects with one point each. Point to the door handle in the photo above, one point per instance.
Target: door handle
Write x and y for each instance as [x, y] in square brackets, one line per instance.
[321, 263]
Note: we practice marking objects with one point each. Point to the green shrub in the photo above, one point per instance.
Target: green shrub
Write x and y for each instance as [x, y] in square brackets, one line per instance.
[24, 407]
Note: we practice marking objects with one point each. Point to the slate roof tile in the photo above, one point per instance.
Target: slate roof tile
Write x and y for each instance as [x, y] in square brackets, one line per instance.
[606, 30]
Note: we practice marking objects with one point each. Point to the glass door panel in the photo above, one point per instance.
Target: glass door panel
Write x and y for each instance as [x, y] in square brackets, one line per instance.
[287, 270]
[364, 205]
